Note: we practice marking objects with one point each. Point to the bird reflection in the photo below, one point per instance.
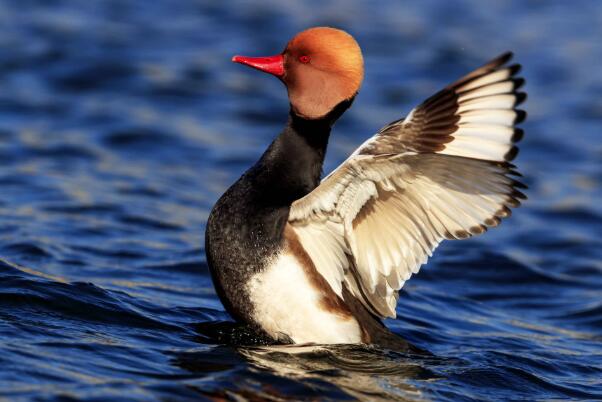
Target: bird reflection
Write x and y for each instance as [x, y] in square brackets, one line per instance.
[257, 370]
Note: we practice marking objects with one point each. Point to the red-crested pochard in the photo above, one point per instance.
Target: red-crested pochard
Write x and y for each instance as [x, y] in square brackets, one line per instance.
[304, 260]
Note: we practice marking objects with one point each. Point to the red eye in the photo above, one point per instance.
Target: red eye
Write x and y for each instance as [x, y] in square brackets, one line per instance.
[304, 59]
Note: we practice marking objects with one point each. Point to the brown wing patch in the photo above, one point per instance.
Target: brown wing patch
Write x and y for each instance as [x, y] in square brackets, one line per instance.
[329, 301]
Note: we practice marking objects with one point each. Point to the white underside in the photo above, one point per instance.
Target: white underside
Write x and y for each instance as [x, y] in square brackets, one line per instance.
[287, 305]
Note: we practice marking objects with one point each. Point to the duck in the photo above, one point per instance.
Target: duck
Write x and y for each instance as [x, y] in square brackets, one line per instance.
[303, 259]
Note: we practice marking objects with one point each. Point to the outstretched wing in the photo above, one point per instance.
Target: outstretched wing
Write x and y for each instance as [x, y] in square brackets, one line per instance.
[443, 172]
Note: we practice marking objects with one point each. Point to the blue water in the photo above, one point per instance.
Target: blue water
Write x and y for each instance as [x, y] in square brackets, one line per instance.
[121, 123]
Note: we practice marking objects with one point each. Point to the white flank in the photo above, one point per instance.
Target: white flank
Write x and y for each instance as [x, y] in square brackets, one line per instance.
[286, 303]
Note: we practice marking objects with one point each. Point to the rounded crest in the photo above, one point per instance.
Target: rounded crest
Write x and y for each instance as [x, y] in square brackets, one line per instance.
[323, 67]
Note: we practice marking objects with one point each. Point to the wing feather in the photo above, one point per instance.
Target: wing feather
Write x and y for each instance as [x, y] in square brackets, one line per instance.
[440, 173]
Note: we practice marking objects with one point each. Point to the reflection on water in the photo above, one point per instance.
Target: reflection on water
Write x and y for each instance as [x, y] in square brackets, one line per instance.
[342, 372]
[359, 371]
[121, 123]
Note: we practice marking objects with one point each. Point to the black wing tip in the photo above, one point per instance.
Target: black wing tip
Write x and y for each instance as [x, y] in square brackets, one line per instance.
[520, 98]
[521, 115]
[500, 60]
[510, 170]
[519, 195]
[505, 57]
[518, 82]
[519, 184]
[518, 135]
[511, 154]
[515, 196]
[496, 63]
[515, 69]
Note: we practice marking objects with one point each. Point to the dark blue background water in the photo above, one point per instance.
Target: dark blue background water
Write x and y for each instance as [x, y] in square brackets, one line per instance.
[122, 122]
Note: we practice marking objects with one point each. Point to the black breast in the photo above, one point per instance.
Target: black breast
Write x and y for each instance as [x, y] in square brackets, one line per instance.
[245, 227]
[241, 236]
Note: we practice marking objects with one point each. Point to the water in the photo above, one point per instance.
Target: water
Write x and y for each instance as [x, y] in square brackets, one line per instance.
[121, 123]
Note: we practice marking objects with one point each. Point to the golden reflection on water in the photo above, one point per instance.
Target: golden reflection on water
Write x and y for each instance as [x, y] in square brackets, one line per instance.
[362, 372]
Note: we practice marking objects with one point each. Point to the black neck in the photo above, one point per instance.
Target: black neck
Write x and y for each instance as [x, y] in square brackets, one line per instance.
[292, 165]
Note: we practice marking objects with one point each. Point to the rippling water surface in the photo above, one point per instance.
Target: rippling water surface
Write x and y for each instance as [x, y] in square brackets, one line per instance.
[121, 123]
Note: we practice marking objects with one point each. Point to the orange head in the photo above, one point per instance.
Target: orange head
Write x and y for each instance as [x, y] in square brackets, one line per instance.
[321, 67]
